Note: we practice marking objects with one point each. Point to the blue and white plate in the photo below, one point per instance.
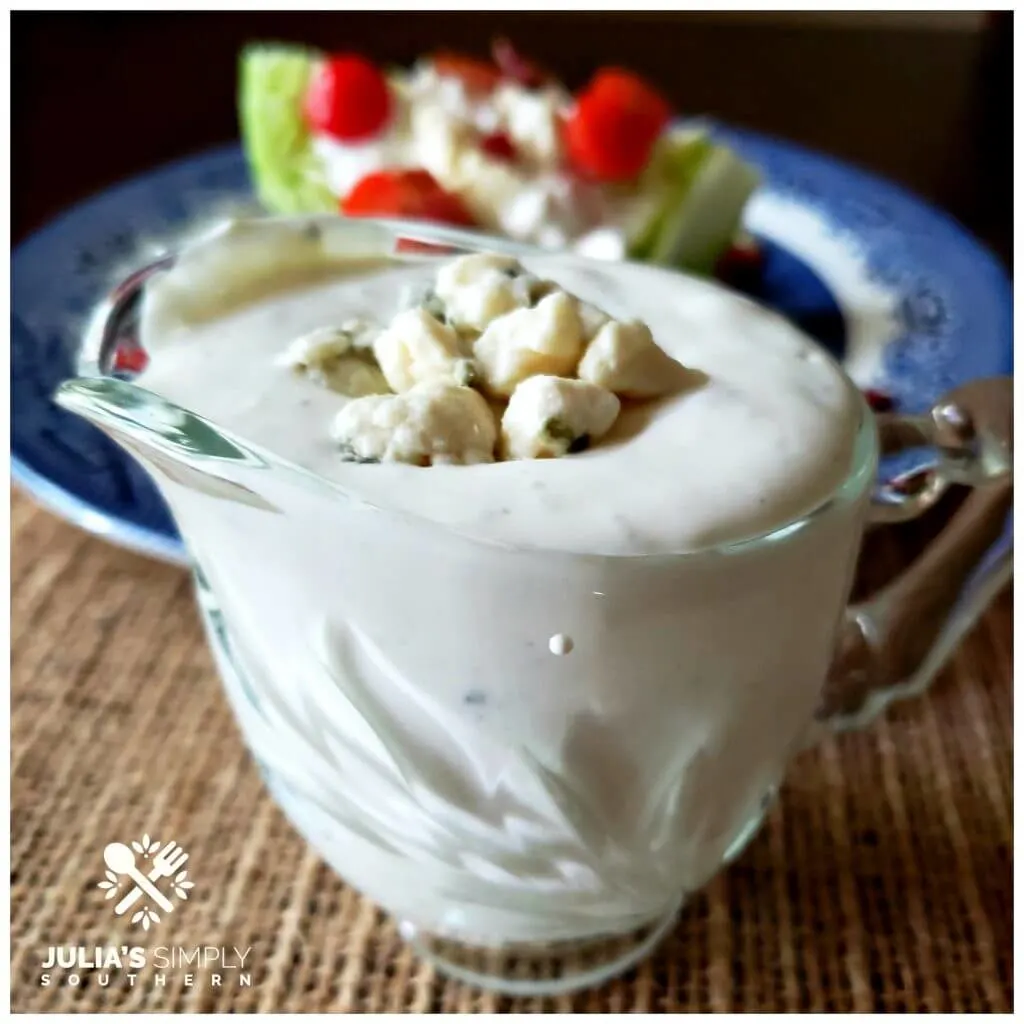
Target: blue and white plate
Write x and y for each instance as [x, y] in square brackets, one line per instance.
[911, 302]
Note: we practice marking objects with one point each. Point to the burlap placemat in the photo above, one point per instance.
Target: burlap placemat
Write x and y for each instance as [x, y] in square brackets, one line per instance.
[882, 882]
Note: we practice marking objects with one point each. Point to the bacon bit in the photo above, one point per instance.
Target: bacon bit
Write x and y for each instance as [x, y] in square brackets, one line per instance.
[880, 401]
[500, 146]
[517, 68]
[130, 359]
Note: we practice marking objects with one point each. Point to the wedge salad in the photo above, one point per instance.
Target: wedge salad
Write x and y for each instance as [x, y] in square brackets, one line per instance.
[497, 145]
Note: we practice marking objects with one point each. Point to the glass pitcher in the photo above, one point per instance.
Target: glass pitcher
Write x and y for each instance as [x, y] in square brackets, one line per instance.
[531, 758]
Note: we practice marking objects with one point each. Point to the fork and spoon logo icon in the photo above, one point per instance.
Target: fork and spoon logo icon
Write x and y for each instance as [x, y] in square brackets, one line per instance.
[164, 861]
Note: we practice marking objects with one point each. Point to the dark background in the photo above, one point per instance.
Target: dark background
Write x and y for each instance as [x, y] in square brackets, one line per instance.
[925, 100]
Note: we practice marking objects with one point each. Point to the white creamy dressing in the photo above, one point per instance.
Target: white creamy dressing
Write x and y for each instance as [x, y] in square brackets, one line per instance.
[508, 741]
[767, 437]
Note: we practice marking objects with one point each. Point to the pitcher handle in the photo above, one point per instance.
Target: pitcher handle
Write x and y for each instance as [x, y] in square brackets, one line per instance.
[891, 646]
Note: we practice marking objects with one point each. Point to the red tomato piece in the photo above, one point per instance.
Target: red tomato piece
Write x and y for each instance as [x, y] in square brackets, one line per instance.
[414, 245]
[348, 97]
[741, 264]
[476, 75]
[611, 131]
[880, 401]
[414, 194]
[130, 359]
[500, 146]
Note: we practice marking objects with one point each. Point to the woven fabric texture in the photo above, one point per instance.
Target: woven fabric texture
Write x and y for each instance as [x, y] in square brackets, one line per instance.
[882, 880]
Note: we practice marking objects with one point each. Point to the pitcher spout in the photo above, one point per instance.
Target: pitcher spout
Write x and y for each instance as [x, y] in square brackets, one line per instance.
[172, 443]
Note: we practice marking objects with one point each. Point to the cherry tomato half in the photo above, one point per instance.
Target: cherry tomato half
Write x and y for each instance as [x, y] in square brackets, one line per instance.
[412, 194]
[612, 130]
[348, 98]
